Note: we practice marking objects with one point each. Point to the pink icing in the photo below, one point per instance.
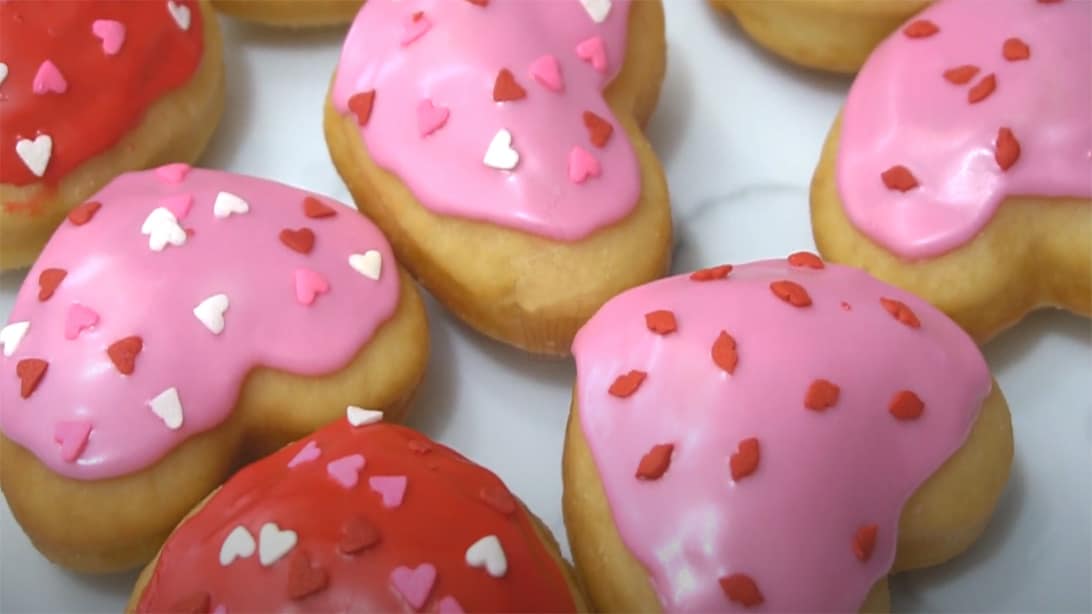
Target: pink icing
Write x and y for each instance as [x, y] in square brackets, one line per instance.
[821, 475]
[451, 55]
[134, 291]
[901, 110]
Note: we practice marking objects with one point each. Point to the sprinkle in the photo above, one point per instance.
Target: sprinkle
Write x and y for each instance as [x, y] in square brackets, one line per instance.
[498, 498]
[162, 229]
[449, 605]
[864, 541]
[414, 584]
[309, 285]
[168, 406]
[900, 312]
[419, 446]
[547, 71]
[346, 470]
[487, 552]
[481, 3]
[239, 544]
[48, 280]
[415, 27]
[1015, 50]
[227, 204]
[430, 117]
[305, 579]
[506, 89]
[49, 79]
[599, 129]
[72, 435]
[392, 488]
[315, 208]
[111, 33]
[744, 461]
[921, 28]
[1006, 149]
[582, 165]
[625, 385]
[806, 260]
[35, 154]
[741, 589]
[274, 543]
[821, 395]
[593, 51]
[12, 335]
[301, 240]
[3, 72]
[369, 264]
[306, 454]
[210, 312]
[500, 154]
[597, 9]
[899, 178]
[791, 292]
[655, 462]
[961, 74]
[981, 90]
[661, 322]
[359, 417]
[79, 319]
[361, 105]
[194, 603]
[83, 213]
[123, 353]
[906, 405]
[180, 13]
[724, 352]
[711, 273]
[179, 205]
[357, 535]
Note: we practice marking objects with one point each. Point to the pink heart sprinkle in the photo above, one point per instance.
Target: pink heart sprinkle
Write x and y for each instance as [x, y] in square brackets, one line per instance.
[449, 605]
[178, 205]
[112, 34]
[173, 173]
[582, 165]
[391, 487]
[547, 71]
[220, 609]
[414, 584]
[416, 26]
[309, 284]
[593, 50]
[49, 79]
[308, 453]
[346, 470]
[72, 435]
[79, 318]
[430, 118]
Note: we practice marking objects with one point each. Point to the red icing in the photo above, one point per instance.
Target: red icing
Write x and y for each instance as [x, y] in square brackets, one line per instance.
[348, 544]
[106, 95]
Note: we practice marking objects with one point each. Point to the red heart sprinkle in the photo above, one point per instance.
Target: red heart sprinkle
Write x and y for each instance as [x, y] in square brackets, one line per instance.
[906, 406]
[899, 178]
[1049, 1]
[981, 90]
[498, 498]
[741, 589]
[864, 541]
[301, 240]
[315, 208]
[83, 214]
[806, 260]
[661, 322]
[724, 352]
[625, 385]
[744, 461]
[48, 280]
[30, 372]
[305, 579]
[900, 312]
[961, 74]
[821, 395]
[357, 535]
[1007, 149]
[506, 89]
[920, 28]
[479, 2]
[123, 353]
[1015, 50]
[655, 462]
[194, 603]
[716, 272]
[420, 447]
[361, 106]
[791, 292]
[599, 129]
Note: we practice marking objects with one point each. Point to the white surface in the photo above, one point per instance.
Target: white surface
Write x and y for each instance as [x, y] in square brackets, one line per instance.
[739, 133]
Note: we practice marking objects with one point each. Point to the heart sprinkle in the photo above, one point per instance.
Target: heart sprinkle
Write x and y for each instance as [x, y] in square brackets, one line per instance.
[744, 461]
[306, 454]
[346, 470]
[239, 544]
[274, 543]
[414, 584]
[487, 552]
[500, 154]
[35, 154]
[12, 335]
[48, 280]
[724, 352]
[168, 406]
[358, 416]
[30, 372]
[123, 354]
[627, 384]
[210, 312]
[392, 488]
[369, 264]
[111, 33]
[655, 462]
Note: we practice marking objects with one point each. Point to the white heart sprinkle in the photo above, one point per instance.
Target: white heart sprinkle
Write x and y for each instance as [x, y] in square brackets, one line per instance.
[162, 229]
[359, 416]
[238, 545]
[168, 407]
[180, 13]
[3, 72]
[597, 9]
[500, 154]
[227, 204]
[211, 312]
[273, 543]
[487, 552]
[12, 335]
[369, 264]
[35, 154]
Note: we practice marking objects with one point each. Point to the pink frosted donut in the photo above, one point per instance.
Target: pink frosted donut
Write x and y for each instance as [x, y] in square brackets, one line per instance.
[504, 130]
[160, 327]
[754, 434]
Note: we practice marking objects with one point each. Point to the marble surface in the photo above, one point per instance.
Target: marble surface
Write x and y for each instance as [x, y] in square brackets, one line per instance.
[739, 133]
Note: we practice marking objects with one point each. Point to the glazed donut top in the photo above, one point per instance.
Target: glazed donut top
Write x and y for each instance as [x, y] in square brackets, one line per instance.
[758, 429]
[373, 518]
[971, 102]
[141, 319]
[76, 76]
[493, 110]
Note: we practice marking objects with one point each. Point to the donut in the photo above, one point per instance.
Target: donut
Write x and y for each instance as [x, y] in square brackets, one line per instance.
[91, 89]
[831, 35]
[499, 146]
[171, 329]
[960, 169]
[374, 518]
[777, 436]
[291, 13]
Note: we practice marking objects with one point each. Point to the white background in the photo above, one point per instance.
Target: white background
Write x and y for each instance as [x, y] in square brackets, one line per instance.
[739, 133]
